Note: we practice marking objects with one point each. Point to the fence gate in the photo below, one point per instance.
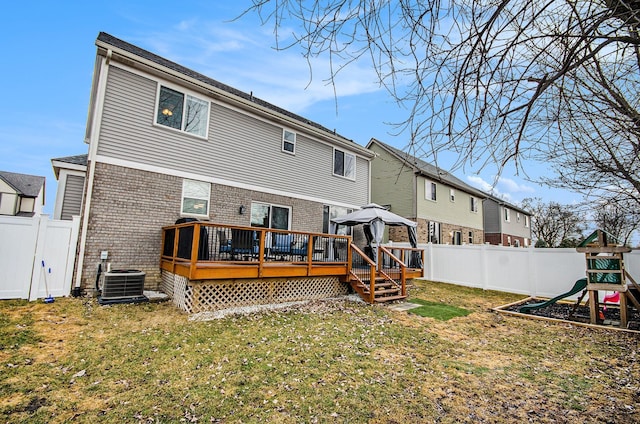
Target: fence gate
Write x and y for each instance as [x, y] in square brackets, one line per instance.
[36, 256]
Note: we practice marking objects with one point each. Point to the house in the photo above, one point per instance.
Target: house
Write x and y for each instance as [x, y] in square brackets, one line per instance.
[505, 223]
[21, 194]
[71, 173]
[167, 143]
[447, 210]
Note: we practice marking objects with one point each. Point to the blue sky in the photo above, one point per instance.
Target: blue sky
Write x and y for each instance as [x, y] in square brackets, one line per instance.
[48, 53]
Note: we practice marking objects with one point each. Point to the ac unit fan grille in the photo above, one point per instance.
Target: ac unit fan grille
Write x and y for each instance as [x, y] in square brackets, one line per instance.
[123, 284]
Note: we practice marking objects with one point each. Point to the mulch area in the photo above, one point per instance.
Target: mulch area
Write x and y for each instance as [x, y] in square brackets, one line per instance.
[565, 311]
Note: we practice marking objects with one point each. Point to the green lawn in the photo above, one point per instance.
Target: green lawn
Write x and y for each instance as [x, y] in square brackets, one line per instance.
[326, 361]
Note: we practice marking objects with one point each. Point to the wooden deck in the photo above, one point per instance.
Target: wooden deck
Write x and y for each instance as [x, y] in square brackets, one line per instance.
[203, 251]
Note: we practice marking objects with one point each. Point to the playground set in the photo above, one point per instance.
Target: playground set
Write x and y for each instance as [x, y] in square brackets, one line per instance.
[605, 271]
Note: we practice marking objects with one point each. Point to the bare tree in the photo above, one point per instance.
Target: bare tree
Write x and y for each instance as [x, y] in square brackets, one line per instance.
[616, 219]
[495, 81]
[554, 224]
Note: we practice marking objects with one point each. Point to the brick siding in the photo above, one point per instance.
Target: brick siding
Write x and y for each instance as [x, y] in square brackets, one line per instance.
[129, 207]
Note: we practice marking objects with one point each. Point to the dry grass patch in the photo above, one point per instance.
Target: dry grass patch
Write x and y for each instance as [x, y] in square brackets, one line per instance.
[324, 361]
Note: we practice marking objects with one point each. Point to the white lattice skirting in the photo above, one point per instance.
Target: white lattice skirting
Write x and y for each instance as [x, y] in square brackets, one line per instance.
[212, 295]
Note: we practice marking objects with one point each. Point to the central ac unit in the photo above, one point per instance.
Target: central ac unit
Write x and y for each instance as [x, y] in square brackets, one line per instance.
[123, 284]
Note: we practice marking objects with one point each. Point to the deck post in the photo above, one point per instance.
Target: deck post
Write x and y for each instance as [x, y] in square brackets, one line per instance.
[195, 249]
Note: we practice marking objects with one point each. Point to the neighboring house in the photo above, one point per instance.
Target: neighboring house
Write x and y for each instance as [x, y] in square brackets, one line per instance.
[505, 223]
[166, 142]
[21, 194]
[447, 210]
[71, 172]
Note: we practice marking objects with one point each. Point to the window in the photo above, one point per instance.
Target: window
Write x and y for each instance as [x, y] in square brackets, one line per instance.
[430, 190]
[434, 232]
[516, 243]
[470, 237]
[265, 215]
[526, 242]
[526, 221]
[330, 212]
[195, 197]
[182, 112]
[474, 204]
[452, 195]
[288, 141]
[517, 216]
[457, 238]
[507, 215]
[344, 164]
[508, 240]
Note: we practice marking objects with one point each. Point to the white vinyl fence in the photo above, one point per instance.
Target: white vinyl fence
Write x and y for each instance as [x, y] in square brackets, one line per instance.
[529, 271]
[36, 253]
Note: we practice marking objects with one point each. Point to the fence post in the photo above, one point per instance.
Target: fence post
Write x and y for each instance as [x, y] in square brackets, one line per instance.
[484, 259]
[38, 257]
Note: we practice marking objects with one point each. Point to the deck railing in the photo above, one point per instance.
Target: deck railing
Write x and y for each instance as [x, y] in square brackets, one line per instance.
[216, 251]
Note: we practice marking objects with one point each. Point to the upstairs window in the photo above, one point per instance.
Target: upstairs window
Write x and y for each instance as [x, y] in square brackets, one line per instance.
[517, 216]
[182, 112]
[288, 141]
[195, 197]
[452, 195]
[344, 164]
[430, 190]
[526, 222]
[507, 214]
[474, 204]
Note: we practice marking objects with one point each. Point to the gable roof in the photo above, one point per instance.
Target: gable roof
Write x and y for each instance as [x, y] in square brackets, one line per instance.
[25, 185]
[107, 41]
[428, 170]
[76, 162]
[503, 202]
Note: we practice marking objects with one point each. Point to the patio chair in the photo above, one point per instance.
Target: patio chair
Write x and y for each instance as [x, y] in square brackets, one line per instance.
[300, 249]
[282, 244]
[224, 244]
[243, 243]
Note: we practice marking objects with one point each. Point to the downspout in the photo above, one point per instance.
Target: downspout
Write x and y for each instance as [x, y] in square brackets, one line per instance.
[93, 148]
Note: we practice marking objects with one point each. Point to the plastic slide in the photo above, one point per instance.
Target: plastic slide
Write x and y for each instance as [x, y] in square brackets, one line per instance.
[581, 284]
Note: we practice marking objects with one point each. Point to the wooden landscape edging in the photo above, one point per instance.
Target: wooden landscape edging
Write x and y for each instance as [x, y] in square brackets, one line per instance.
[556, 320]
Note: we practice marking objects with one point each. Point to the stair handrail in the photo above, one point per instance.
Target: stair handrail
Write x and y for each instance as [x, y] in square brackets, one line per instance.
[372, 272]
[402, 266]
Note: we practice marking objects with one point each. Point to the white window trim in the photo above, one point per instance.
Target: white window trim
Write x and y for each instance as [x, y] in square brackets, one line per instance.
[271, 205]
[208, 199]
[507, 215]
[346, 153]
[284, 140]
[526, 221]
[185, 93]
[429, 192]
[474, 204]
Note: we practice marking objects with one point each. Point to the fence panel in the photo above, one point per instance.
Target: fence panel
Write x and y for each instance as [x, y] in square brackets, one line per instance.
[530, 271]
[25, 243]
[18, 238]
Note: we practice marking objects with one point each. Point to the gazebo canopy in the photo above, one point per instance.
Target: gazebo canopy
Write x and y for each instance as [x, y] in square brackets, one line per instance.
[374, 217]
[370, 213]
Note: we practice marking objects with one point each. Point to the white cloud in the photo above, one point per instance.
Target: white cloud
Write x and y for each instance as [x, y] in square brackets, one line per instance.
[505, 188]
[514, 187]
[247, 61]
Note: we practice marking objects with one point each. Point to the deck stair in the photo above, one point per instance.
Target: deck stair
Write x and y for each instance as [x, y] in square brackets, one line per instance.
[384, 290]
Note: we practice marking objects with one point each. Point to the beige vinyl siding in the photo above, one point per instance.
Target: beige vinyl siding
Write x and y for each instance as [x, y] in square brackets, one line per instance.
[444, 210]
[392, 183]
[240, 147]
[513, 227]
[72, 199]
